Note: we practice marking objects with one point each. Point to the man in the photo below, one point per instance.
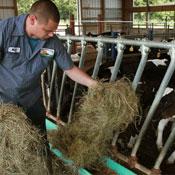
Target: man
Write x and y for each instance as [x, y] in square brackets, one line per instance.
[27, 45]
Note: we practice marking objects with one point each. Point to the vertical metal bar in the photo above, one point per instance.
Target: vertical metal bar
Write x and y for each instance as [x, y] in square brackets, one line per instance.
[168, 32]
[78, 16]
[69, 49]
[56, 87]
[43, 88]
[48, 75]
[156, 101]
[54, 69]
[165, 37]
[152, 28]
[99, 59]
[144, 51]
[147, 15]
[174, 26]
[61, 94]
[120, 50]
[167, 145]
[48, 72]
[81, 64]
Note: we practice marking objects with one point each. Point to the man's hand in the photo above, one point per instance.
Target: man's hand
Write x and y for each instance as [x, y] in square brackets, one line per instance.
[80, 77]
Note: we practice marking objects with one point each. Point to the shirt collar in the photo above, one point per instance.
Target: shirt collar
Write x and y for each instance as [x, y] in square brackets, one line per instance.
[20, 25]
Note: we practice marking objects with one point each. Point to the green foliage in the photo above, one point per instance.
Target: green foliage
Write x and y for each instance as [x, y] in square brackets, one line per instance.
[158, 18]
[66, 7]
[138, 3]
[24, 6]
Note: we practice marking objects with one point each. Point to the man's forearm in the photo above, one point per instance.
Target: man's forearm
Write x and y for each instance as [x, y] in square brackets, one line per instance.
[80, 77]
[1, 50]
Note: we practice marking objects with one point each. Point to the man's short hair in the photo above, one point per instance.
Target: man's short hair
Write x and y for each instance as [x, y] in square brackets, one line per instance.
[45, 10]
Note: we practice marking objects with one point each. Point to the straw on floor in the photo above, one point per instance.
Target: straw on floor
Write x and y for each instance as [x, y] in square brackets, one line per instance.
[21, 146]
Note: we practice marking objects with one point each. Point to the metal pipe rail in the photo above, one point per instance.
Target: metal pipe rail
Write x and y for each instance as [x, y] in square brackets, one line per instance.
[154, 44]
[145, 46]
[69, 48]
[81, 64]
[167, 145]
[156, 100]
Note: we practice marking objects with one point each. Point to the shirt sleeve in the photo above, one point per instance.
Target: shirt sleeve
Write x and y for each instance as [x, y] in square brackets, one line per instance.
[62, 58]
[1, 41]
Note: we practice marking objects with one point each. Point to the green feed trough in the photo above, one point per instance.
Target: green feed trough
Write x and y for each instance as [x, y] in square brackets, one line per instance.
[111, 164]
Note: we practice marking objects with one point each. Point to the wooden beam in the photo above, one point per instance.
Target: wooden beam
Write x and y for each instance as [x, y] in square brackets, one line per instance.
[93, 8]
[127, 10]
[102, 7]
[89, 18]
[153, 8]
[16, 8]
[7, 7]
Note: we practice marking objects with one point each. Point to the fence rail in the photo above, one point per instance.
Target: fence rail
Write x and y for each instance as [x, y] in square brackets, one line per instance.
[145, 46]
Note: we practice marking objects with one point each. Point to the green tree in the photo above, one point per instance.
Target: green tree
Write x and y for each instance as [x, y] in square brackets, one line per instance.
[139, 3]
[24, 6]
[154, 17]
[66, 7]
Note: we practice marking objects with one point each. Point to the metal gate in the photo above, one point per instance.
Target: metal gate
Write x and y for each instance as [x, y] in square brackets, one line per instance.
[145, 46]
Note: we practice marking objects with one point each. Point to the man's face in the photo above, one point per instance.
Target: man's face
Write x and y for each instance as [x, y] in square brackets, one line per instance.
[43, 30]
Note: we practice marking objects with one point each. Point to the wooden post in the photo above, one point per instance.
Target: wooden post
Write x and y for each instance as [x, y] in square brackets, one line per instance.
[99, 24]
[102, 12]
[72, 31]
[72, 25]
[15, 7]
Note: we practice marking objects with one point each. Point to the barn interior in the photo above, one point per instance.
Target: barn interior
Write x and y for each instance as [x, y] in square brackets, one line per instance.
[111, 39]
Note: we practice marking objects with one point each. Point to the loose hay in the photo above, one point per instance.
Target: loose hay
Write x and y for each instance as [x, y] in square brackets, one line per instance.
[21, 145]
[104, 109]
[59, 168]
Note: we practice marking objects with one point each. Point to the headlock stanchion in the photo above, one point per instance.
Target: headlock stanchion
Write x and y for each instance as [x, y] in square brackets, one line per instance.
[145, 46]
[81, 64]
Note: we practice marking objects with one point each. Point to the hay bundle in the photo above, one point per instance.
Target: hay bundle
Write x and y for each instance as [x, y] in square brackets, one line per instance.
[107, 108]
[21, 145]
[60, 168]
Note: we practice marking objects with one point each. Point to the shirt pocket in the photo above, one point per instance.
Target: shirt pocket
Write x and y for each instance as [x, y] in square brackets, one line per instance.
[11, 60]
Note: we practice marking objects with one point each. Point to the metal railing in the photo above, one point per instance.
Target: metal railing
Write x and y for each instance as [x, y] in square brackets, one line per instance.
[145, 46]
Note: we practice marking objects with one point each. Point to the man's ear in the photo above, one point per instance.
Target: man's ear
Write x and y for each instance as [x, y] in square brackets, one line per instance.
[33, 19]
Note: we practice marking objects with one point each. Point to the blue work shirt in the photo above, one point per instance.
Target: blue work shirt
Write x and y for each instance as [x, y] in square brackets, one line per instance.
[20, 67]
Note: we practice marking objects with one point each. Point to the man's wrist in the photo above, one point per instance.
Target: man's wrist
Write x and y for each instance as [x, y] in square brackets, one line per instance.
[93, 83]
